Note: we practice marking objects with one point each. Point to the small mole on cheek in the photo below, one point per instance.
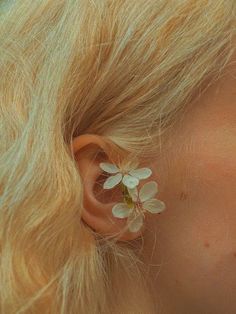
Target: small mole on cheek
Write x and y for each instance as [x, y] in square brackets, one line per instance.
[207, 244]
[234, 254]
[183, 196]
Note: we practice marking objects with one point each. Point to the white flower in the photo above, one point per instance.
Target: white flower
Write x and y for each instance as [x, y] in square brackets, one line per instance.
[129, 179]
[143, 201]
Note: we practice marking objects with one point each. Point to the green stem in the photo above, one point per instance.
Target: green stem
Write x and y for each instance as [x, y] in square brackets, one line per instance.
[126, 195]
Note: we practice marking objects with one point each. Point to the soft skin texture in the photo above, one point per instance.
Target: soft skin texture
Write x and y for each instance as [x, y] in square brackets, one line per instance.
[193, 242]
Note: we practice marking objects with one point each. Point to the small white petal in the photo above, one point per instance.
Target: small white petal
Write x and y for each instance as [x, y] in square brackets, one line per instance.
[133, 193]
[147, 191]
[112, 181]
[121, 210]
[108, 167]
[135, 224]
[142, 173]
[154, 206]
[130, 181]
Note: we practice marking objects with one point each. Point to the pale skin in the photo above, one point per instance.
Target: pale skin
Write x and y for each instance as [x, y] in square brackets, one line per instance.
[192, 244]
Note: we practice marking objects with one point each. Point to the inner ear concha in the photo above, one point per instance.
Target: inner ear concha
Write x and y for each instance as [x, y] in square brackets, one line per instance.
[107, 195]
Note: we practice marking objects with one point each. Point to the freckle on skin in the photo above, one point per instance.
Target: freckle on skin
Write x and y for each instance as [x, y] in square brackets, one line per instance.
[207, 244]
[183, 196]
[234, 254]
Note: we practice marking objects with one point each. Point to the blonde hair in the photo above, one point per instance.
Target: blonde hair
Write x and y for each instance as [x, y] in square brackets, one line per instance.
[122, 69]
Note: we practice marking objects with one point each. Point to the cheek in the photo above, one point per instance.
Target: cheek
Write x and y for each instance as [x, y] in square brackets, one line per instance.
[196, 235]
[196, 250]
[208, 212]
[208, 170]
[213, 187]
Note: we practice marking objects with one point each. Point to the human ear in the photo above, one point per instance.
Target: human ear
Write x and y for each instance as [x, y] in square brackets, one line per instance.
[89, 150]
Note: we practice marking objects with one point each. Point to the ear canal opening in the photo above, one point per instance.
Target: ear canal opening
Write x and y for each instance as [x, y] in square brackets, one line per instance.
[107, 195]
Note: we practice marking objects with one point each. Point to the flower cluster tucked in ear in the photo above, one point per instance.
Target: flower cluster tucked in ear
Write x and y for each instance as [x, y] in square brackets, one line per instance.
[135, 202]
